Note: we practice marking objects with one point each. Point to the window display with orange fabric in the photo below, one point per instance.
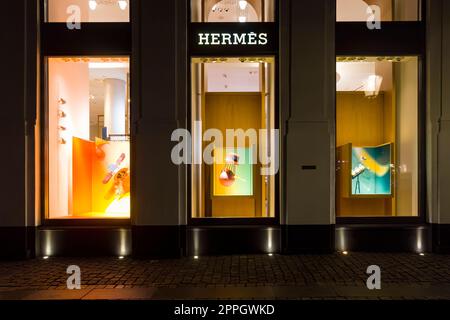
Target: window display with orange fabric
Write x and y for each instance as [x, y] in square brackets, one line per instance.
[88, 140]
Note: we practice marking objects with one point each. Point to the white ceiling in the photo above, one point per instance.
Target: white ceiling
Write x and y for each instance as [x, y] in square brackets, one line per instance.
[232, 77]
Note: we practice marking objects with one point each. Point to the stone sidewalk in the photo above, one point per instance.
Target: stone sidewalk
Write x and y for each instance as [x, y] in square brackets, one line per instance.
[334, 276]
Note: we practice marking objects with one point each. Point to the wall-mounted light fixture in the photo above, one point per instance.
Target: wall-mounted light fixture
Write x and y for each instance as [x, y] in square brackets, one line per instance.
[92, 4]
[123, 4]
[243, 4]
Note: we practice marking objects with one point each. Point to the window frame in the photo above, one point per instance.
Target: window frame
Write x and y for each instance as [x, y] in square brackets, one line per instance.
[393, 39]
[57, 41]
[270, 221]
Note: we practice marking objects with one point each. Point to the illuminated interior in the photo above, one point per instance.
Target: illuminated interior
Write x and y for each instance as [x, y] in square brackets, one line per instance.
[233, 93]
[88, 10]
[233, 11]
[387, 10]
[377, 136]
[88, 138]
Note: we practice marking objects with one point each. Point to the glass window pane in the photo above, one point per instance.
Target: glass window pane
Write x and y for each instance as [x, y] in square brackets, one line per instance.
[231, 177]
[88, 131]
[377, 136]
[232, 10]
[88, 10]
[378, 10]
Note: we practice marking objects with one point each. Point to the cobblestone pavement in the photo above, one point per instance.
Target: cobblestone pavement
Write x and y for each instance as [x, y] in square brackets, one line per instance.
[299, 271]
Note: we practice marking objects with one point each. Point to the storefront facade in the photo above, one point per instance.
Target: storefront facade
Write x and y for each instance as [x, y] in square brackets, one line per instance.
[348, 116]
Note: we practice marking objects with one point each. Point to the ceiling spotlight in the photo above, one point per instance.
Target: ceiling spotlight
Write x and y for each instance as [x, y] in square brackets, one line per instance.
[242, 19]
[123, 4]
[242, 4]
[92, 4]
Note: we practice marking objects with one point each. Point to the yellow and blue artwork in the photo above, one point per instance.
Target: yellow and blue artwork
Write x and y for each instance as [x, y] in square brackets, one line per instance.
[371, 170]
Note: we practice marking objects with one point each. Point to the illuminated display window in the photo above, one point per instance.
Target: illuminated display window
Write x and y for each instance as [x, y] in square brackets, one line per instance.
[378, 10]
[232, 10]
[88, 10]
[88, 138]
[377, 137]
[233, 97]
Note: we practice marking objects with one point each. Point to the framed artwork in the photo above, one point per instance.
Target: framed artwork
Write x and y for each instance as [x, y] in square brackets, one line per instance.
[233, 172]
[371, 171]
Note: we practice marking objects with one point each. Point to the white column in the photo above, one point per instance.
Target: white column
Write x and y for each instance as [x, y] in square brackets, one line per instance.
[115, 105]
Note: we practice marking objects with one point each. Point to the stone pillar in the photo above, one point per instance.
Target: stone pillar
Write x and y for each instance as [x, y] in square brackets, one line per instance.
[310, 134]
[154, 78]
[438, 122]
[18, 90]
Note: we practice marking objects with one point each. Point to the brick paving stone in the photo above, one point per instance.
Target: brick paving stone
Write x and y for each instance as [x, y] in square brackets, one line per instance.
[229, 271]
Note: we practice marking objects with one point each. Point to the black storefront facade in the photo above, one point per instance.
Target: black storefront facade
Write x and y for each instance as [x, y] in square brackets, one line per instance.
[303, 56]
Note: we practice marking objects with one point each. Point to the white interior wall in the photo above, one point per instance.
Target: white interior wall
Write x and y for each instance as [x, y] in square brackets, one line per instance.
[69, 81]
[57, 9]
[351, 10]
[407, 138]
